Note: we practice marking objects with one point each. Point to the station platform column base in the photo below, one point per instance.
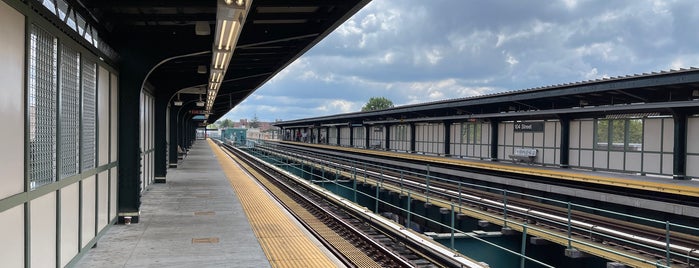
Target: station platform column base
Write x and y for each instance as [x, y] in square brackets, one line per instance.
[127, 218]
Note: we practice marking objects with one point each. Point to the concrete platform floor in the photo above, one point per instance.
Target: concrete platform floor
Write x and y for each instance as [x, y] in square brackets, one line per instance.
[193, 220]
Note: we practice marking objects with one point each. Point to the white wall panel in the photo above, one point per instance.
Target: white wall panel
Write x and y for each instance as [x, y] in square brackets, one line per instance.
[538, 139]
[693, 135]
[88, 210]
[616, 160]
[69, 222]
[103, 115]
[557, 152]
[103, 200]
[43, 231]
[652, 129]
[669, 135]
[651, 163]
[586, 158]
[667, 164]
[549, 156]
[573, 158]
[633, 161]
[114, 116]
[550, 135]
[693, 166]
[12, 233]
[601, 160]
[587, 134]
[11, 101]
[113, 193]
[574, 134]
[517, 138]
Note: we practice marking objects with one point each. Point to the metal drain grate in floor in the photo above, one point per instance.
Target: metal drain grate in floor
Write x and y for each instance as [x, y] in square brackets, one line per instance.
[205, 240]
[204, 213]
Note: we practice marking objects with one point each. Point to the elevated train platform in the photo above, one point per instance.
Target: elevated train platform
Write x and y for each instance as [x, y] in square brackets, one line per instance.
[208, 214]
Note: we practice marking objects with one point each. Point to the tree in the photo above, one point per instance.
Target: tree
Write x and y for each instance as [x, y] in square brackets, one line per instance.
[225, 123]
[255, 122]
[377, 103]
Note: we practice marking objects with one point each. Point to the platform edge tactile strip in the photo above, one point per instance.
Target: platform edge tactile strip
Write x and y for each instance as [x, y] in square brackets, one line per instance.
[284, 244]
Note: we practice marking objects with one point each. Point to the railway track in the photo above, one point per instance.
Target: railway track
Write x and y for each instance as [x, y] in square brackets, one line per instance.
[354, 241]
[651, 243]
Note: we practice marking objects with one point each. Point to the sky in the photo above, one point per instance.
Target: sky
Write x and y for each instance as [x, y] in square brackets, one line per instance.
[413, 51]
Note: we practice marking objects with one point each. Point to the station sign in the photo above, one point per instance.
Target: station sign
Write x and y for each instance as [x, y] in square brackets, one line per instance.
[529, 127]
[197, 112]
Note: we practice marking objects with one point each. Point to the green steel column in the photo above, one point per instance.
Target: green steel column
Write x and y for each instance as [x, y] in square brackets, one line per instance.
[366, 136]
[174, 113]
[679, 163]
[159, 132]
[412, 137]
[387, 128]
[447, 138]
[129, 188]
[351, 137]
[565, 142]
[337, 137]
[494, 140]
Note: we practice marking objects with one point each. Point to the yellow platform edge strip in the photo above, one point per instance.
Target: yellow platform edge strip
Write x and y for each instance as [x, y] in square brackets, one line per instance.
[283, 242]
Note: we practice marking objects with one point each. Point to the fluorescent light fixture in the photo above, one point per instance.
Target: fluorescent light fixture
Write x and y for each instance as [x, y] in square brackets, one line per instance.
[201, 69]
[177, 103]
[230, 16]
[200, 103]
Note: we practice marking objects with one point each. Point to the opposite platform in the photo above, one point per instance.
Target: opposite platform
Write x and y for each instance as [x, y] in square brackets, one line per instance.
[193, 220]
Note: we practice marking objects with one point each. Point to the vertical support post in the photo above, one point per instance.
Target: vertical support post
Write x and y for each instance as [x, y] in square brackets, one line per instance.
[339, 134]
[427, 186]
[565, 143]
[679, 163]
[447, 138]
[452, 226]
[354, 183]
[504, 207]
[407, 221]
[667, 243]
[367, 131]
[524, 246]
[387, 138]
[569, 227]
[494, 140]
[411, 127]
[351, 137]
[376, 200]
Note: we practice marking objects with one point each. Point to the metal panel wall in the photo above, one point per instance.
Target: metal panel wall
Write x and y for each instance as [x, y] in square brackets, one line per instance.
[69, 159]
[89, 115]
[146, 139]
[546, 140]
[345, 136]
[652, 154]
[470, 139]
[48, 114]
[377, 137]
[400, 138]
[359, 137]
[42, 89]
[332, 136]
[43, 231]
[429, 138]
[12, 233]
[11, 102]
[103, 115]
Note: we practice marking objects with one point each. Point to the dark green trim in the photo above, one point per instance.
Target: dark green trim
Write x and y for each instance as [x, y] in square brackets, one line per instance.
[58, 228]
[27, 235]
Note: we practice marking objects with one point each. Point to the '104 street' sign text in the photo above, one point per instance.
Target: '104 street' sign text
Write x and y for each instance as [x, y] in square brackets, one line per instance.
[529, 127]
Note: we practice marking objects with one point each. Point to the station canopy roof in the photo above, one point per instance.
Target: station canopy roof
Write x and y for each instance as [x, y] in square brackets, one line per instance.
[275, 33]
[631, 96]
